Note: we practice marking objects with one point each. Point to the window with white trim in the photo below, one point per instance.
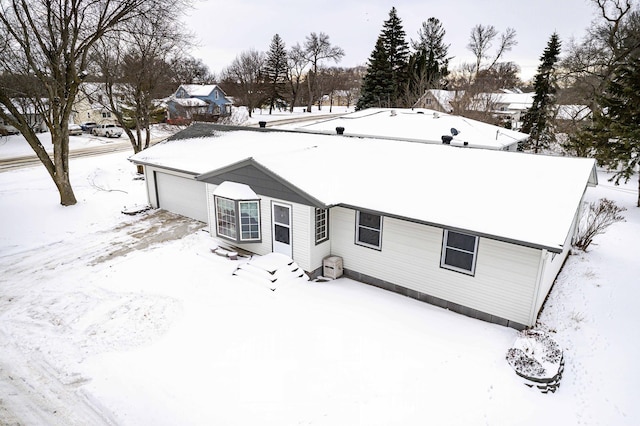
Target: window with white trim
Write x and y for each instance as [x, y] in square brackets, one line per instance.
[238, 220]
[459, 252]
[369, 230]
[249, 220]
[322, 225]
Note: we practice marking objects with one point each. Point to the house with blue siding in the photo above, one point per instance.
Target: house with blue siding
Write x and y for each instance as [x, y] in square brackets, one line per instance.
[197, 102]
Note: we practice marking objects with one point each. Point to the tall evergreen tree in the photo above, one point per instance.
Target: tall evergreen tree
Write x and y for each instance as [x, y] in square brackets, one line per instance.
[428, 65]
[538, 120]
[392, 46]
[615, 133]
[397, 50]
[376, 85]
[275, 70]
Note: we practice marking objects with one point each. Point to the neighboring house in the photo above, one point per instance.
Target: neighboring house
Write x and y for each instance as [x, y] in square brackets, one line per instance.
[194, 102]
[438, 100]
[90, 105]
[34, 119]
[507, 105]
[480, 232]
[419, 125]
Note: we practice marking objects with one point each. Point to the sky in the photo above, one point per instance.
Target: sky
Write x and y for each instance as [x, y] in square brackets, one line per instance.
[224, 29]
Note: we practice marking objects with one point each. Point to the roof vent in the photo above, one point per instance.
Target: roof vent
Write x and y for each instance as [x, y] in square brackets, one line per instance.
[340, 130]
[446, 139]
[454, 131]
[262, 124]
[436, 115]
[393, 113]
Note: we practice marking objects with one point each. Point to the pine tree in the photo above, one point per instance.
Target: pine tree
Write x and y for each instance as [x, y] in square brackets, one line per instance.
[276, 71]
[397, 50]
[389, 61]
[615, 133]
[376, 85]
[428, 65]
[537, 121]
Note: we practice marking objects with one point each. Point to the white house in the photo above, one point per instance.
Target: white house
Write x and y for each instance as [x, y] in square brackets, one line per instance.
[480, 232]
[419, 125]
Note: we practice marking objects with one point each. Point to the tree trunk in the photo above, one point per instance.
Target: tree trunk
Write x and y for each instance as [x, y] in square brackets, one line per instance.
[58, 168]
[67, 197]
[638, 203]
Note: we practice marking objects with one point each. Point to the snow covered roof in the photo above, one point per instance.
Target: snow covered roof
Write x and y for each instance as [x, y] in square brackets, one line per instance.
[419, 125]
[199, 89]
[522, 198]
[235, 191]
[189, 102]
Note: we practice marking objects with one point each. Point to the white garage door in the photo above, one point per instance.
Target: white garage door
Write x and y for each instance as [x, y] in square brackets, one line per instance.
[182, 195]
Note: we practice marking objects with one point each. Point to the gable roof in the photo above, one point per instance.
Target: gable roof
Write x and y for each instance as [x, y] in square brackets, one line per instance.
[200, 90]
[418, 125]
[522, 198]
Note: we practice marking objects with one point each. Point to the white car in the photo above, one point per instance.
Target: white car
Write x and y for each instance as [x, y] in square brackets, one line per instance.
[107, 130]
[75, 130]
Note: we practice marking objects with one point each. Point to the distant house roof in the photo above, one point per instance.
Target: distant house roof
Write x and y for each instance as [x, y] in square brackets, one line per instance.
[418, 125]
[444, 98]
[521, 198]
[189, 102]
[201, 90]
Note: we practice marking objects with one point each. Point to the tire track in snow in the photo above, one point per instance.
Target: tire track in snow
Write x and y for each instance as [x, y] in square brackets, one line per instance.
[155, 227]
[35, 387]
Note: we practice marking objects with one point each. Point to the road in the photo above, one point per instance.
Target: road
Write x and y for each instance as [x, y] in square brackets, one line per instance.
[31, 160]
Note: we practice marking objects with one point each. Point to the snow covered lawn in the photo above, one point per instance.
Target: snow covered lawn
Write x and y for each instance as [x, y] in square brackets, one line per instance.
[113, 319]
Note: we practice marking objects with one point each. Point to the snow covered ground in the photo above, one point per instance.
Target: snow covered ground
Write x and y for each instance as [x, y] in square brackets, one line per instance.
[113, 319]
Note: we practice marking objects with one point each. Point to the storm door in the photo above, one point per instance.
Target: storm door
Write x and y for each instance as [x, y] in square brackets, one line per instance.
[281, 229]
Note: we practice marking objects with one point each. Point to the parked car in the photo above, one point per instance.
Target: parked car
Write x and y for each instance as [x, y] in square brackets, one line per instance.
[7, 129]
[75, 130]
[108, 130]
[87, 126]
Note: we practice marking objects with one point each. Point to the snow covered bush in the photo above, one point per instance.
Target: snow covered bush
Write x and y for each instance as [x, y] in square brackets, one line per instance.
[537, 358]
[598, 217]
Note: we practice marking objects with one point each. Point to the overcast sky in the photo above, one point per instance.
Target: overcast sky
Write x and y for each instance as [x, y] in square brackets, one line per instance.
[226, 28]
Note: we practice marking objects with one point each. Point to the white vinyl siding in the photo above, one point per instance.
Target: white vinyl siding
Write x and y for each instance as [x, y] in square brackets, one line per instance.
[505, 276]
[306, 253]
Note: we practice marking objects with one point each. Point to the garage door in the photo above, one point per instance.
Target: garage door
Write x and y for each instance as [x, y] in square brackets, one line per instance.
[182, 195]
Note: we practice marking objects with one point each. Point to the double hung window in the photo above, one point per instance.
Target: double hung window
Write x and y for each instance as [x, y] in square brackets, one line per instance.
[322, 225]
[459, 252]
[369, 230]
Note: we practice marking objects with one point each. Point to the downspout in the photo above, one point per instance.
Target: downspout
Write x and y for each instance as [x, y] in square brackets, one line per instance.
[541, 266]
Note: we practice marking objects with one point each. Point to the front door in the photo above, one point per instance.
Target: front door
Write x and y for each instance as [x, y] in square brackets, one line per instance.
[281, 229]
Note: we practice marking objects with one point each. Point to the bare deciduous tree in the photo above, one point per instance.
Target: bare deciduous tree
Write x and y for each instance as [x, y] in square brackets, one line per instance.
[135, 70]
[296, 66]
[318, 48]
[481, 40]
[51, 40]
[246, 74]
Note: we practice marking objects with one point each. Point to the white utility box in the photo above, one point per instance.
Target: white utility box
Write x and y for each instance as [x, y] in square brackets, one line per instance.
[332, 267]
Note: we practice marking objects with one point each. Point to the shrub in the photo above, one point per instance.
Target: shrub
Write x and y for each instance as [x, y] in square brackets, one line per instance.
[598, 217]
